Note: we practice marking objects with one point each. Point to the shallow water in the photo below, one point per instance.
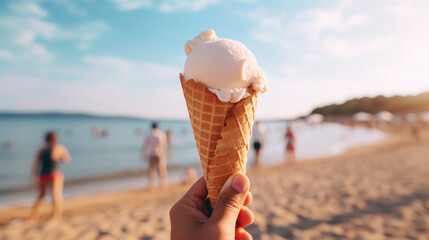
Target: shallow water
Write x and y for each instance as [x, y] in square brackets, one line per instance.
[119, 151]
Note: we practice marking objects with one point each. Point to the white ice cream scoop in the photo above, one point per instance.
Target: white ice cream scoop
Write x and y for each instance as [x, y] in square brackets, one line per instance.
[225, 66]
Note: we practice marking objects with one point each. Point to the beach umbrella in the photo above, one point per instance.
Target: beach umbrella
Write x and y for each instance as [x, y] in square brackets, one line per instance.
[384, 116]
[315, 118]
[362, 117]
[425, 116]
[411, 117]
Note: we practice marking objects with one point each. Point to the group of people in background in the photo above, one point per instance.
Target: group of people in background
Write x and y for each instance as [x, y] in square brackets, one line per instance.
[155, 145]
[259, 136]
[47, 175]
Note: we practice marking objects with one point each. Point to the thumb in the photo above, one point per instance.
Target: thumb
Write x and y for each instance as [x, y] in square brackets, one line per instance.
[231, 199]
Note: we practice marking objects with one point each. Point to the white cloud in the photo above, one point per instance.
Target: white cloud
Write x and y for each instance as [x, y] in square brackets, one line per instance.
[263, 36]
[312, 57]
[353, 49]
[129, 5]
[7, 55]
[126, 86]
[254, 14]
[29, 8]
[306, 27]
[288, 70]
[421, 57]
[106, 98]
[248, 1]
[30, 52]
[356, 20]
[313, 22]
[15, 85]
[109, 62]
[401, 8]
[112, 68]
[88, 32]
[71, 7]
[43, 28]
[171, 6]
[38, 51]
[342, 31]
[275, 22]
[385, 54]
[177, 5]
[270, 28]
[25, 38]
[21, 24]
[298, 94]
[165, 6]
[24, 35]
[347, 49]
[29, 29]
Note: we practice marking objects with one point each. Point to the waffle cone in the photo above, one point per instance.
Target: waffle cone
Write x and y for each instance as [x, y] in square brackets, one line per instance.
[222, 133]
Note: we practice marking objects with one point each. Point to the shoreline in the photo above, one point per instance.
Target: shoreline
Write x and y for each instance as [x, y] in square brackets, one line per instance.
[98, 178]
[130, 175]
[132, 180]
[125, 181]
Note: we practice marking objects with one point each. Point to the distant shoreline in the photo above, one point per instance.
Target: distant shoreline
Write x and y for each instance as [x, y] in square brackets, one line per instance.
[55, 114]
[84, 115]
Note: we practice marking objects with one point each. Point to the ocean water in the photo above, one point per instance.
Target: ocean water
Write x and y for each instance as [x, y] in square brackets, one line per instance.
[92, 156]
[120, 150]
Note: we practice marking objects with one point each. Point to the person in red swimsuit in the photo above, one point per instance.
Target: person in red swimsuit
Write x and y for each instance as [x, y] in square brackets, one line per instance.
[46, 173]
[290, 145]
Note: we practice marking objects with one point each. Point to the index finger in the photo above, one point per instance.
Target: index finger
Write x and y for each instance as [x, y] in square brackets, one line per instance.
[198, 190]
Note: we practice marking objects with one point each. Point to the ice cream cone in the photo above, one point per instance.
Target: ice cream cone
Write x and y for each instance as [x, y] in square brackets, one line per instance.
[222, 132]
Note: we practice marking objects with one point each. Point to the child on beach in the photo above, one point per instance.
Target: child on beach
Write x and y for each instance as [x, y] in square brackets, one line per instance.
[259, 136]
[290, 145]
[46, 173]
[190, 175]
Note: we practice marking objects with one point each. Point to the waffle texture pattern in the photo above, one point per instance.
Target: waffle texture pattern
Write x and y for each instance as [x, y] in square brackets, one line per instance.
[222, 132]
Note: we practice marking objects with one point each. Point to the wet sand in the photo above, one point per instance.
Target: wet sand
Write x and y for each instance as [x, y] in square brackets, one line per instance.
[374, 192]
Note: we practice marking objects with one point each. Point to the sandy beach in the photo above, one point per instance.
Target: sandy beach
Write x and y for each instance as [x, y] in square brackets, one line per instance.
[374, 192]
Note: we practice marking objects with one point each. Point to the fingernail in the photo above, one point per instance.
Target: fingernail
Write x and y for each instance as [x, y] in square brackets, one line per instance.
[240, 183]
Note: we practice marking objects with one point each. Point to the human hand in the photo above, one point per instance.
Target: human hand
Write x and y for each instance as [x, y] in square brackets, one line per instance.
[192, 217]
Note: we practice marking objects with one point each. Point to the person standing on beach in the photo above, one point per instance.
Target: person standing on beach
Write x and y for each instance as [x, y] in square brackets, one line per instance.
[46, 173]
[290, 145]
[169, 135]
[154, 153]
[259, 135]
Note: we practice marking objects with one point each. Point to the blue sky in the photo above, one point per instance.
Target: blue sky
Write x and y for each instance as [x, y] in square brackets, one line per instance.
[123, 57]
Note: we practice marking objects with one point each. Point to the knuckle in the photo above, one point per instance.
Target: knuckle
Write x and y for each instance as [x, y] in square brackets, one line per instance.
[173, 211]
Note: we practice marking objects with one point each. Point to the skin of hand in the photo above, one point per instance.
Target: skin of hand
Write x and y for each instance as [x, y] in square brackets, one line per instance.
[192, 217]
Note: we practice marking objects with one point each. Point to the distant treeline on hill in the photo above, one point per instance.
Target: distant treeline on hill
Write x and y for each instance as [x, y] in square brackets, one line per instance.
[65, 115]
[395, 104]
[58, 115]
